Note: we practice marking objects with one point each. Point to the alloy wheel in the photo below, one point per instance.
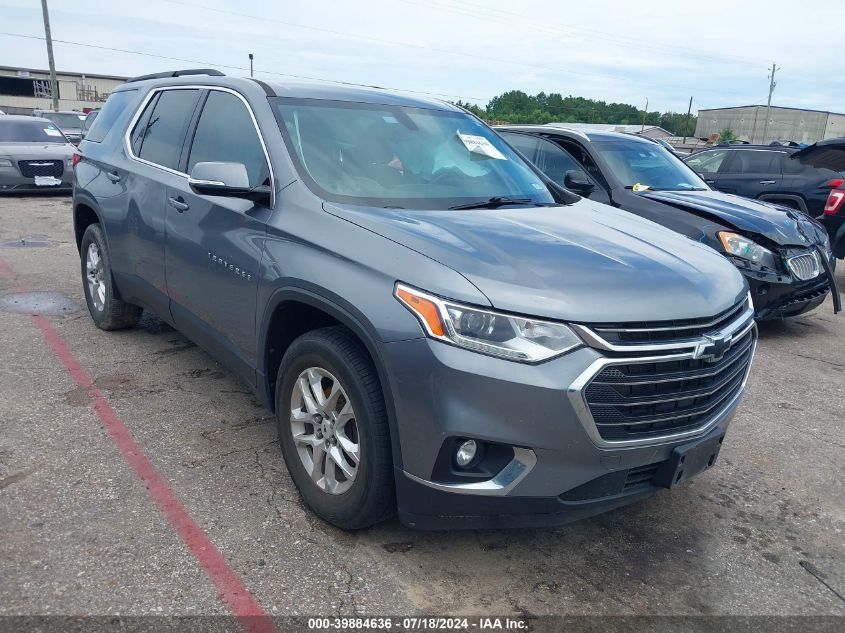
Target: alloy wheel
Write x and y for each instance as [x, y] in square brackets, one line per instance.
[325, 430]
[95, 275]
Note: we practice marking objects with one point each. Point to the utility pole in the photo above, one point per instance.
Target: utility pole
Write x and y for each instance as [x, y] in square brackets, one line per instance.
[54, 85]
[689, 117]
[250, 64]
[772, 84]
[645, 114]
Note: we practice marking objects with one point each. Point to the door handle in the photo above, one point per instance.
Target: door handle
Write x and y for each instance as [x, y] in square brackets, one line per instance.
[177, 204]
[113, 176]
[768, 182]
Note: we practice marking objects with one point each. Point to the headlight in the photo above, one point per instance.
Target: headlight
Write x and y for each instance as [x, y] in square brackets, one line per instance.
[5, 162]
[493, 333]
[741, 246]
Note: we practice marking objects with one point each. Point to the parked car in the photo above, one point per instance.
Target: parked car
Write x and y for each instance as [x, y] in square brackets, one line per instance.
[669, 147]
[68, 121]
[784, 255]
[34, 155]
[435, 324]
[801, 178]
[89, 121]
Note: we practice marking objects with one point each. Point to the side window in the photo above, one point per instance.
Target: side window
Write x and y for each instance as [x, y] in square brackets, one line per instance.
[707, 162]
[163, 131]
[225, 132]
[792, 166]
[526, 144]
[585, 160]
[554, 161]
[98, 124]
[137, 136]
[755, 162]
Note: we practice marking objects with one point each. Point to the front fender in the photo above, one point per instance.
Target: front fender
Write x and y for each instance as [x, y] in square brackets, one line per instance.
[346, 314]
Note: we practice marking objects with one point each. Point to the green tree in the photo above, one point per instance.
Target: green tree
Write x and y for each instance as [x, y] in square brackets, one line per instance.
[727, 135]
[516, 106]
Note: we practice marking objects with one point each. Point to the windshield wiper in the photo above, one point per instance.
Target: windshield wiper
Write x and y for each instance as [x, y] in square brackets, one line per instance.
[495, 202]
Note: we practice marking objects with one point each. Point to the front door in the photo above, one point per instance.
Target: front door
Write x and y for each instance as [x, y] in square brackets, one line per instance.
[214, 243]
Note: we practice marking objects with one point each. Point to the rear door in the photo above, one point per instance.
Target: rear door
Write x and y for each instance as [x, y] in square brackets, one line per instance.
[136, 243]
[214, 243]
[751, 172]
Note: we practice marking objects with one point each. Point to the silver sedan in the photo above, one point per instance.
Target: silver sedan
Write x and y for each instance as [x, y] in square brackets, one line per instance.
[34, 155]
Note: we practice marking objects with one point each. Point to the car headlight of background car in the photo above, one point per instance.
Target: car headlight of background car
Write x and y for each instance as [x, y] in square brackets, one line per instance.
[740, 246]
[506, 336]
[5, 162]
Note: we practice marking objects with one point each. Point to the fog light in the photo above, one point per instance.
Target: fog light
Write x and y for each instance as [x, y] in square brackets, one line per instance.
[466, 453]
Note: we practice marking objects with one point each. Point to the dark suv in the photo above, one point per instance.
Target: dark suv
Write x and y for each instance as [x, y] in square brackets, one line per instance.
[788, 176]
[435, 324]
[784, 255]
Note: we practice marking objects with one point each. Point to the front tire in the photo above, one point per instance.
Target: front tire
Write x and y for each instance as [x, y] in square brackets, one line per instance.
[106, 309]
[333, 429]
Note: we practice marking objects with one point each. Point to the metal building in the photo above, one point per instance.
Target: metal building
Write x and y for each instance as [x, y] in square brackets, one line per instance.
[23, 90]
[785, 124]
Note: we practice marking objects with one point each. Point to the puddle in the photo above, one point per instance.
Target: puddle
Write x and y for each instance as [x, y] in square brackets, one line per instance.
[47, 303]
[28, 241]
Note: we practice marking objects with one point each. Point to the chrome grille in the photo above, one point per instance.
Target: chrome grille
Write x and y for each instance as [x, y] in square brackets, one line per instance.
[638, 400]
[32, 168]
[648, 332]
[650, 385]
[805, 266]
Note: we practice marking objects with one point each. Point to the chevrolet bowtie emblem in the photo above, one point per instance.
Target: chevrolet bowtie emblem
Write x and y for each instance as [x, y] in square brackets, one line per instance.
[713, 347]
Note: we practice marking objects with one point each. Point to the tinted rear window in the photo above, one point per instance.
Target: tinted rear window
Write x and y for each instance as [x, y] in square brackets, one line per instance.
[160, 138]
[17, 131]
[755, 162]
[116, 105]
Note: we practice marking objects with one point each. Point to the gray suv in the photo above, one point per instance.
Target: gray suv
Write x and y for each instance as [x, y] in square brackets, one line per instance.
[440, 330]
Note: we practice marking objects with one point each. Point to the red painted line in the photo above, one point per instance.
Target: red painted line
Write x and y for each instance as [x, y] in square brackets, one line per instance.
[232, 588]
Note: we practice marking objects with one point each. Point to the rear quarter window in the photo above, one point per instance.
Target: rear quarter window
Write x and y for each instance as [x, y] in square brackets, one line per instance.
[114, 107]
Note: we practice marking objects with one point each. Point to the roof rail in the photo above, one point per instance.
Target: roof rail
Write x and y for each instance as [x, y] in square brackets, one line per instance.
[211, 72]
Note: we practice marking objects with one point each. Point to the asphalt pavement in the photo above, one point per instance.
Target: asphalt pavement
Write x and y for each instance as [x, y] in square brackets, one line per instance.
[86, 526]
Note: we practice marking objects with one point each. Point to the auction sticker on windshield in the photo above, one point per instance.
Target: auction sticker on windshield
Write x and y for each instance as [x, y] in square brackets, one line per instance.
[480, 145]
[51, 131]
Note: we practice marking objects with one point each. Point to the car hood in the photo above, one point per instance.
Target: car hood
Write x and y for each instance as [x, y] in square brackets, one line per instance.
[829, 154]
[585, 262]
[25, 151]
[785, 227]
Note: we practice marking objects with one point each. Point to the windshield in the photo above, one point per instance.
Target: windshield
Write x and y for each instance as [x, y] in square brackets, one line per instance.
[63, 120]
[643, 165]
[17, 131]
[397, 156]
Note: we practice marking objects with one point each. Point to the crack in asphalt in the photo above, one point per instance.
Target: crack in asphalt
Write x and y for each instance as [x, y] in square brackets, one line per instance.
[815, 573]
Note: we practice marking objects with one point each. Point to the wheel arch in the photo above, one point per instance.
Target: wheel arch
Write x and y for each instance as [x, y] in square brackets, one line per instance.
[85, 213]
[293, 310]
[785, 197]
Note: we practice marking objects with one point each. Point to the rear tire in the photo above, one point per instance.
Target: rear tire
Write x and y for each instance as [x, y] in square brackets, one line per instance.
[329, 396]
[106, 309]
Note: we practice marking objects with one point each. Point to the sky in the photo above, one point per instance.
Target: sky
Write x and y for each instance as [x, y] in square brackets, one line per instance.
[719, 52]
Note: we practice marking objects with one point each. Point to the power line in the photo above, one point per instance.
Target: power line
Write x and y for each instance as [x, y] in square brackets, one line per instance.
[230, 67]
[429, 49]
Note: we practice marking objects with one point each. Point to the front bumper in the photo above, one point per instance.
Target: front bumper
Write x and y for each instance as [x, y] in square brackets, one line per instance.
[778, 295]
[11, 181]
[561, 472]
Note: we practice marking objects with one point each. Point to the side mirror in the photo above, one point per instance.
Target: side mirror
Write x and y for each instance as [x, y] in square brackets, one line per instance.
[226, 179]
[577, 181]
